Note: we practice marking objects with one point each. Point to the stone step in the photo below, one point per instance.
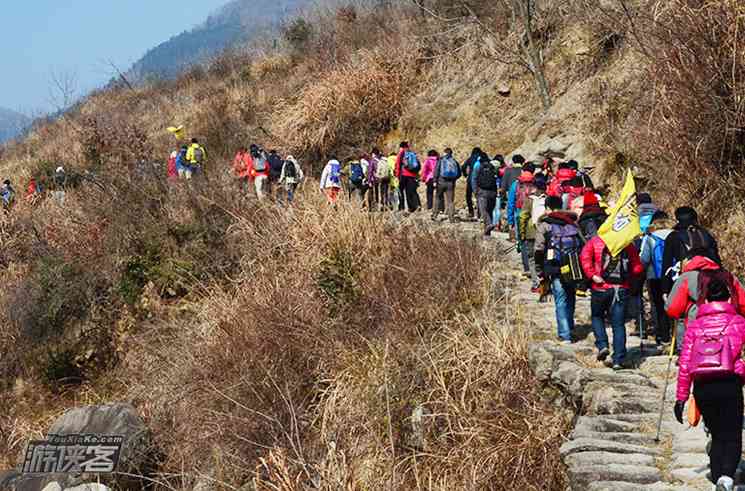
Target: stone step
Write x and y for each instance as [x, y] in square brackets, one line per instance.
[596, 445]
[581, 477]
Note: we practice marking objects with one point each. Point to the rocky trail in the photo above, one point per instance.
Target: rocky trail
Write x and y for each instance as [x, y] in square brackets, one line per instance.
[612, 445]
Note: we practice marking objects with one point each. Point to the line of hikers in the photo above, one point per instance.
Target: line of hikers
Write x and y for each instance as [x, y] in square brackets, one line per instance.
[555, 218]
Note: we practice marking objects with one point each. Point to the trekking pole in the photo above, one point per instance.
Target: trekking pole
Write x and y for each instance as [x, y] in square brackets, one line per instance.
[664, 392]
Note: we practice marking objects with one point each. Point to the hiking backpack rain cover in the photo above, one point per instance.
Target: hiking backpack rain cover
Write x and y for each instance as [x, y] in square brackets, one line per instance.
[449, 169]
[563, 255]
[411, 161]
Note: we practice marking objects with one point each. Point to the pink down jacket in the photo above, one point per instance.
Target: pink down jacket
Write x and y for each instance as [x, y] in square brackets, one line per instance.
[712, 319]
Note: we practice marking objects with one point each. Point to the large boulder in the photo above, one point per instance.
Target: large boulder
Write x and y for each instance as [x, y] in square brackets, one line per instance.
[135, 458]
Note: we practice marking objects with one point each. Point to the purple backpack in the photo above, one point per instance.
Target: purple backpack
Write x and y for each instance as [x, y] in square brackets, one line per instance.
[711, 356]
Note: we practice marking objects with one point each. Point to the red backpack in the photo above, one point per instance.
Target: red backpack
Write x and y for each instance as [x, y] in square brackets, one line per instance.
[524, 189]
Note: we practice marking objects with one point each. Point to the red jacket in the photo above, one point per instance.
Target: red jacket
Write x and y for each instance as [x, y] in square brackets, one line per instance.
[242, 164]
[713, 318]
[592, 263]
[681, 303]
[400, 167]
[554, 187]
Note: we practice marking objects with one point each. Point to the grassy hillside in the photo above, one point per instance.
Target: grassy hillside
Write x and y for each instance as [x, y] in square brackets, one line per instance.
[288, 348]
[12, 124]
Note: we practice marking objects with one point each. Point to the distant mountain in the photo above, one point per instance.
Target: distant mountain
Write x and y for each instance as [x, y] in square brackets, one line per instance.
[233, 24]
[12, 124]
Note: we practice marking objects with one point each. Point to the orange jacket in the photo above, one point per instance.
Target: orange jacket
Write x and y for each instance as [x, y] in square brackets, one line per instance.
[242, 164]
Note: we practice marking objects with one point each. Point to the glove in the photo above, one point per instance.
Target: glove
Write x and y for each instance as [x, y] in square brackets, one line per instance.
[679, 405]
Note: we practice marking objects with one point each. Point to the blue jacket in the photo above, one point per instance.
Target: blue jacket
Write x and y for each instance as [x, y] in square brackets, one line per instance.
[475, 173]
[511, 201]
[181, 163]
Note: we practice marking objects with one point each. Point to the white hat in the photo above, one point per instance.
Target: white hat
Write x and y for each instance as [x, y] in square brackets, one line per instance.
[60, 169]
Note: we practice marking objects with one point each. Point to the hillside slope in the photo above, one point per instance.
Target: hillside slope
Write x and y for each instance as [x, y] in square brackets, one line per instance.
[12, 124]
[236, 23]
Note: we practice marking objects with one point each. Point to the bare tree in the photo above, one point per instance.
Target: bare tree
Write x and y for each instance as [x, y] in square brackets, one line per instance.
[523, 16]
[63, 90]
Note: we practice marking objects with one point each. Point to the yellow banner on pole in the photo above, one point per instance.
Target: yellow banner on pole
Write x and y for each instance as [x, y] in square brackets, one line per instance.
[622, 226]
[178, 131]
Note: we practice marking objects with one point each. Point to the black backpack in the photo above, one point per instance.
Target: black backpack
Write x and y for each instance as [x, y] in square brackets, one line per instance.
[694, 237]
[290, 170]
[275, 165]
[487, 177]
[616, 270]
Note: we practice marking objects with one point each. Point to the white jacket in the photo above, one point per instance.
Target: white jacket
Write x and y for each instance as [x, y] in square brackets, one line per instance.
[283, 179]
[326, 181]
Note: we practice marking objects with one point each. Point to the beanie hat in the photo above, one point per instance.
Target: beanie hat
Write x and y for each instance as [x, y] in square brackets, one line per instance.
[686, 215]
[518, 159]
[643, 198]
[589, 199]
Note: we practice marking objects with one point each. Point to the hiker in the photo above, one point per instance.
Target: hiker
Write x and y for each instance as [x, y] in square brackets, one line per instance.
[171, 170]
[60, 183]
[468, 171]
[563, 173]
[242, 168]
[33, 190]
[485, 187]
[182, 166]
[511, 174]
[275, 172]
[196, 156]
[331, 180]
[611, 280]
[394, 194]
[557, 245]
[501, 165]
[8, 195]
[407, 172]
[382, 180]
[428, 174]
[290, 177]
[576, 186]
[519, 190]
[689, 290]
[447, 172]
[373, 183]
[259, 171]
[711, 360]
[687, 234]
[533, 210]
[357, 179]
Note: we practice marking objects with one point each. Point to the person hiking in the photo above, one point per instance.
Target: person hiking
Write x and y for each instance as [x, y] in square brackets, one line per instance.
[711, 361]
[275, 172]
[651, 248]
[171, 170]
[501, 165]
[242, 168]
[446, 174]
[533, 210]
[373, 183]
[697, 270]
[407, 172]
[611, 280]
[687, 234]
[60, 184]
[428, 174]
[33, 190]
[485, 187]
[356, 172]
[563, 173]
[467, 171]
[520, 189]
[394, 195]
[511, 174]
[330, 182]
[182, 166]
[8, 194]
[290, 177]
[196, 156]
[557, 245]
[259, 171]
[383, 173]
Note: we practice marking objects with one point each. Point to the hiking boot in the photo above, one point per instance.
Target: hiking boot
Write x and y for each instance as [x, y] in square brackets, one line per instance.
[617, 367]
[583, 293]
[725, 483]
[565, 342]
[526, 274]
[603, 354]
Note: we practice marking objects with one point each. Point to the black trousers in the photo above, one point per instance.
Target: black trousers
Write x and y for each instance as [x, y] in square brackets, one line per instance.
[430, 193]
[720, 402]
[469, 197]
[408, 190]
[662, 329]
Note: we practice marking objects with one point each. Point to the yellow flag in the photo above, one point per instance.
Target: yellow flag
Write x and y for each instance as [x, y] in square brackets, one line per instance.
[178, 131]
[622, 226]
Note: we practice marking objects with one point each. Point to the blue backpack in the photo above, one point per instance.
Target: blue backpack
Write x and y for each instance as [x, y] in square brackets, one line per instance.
[411, 161]
[449, 169]
[356, 173]
[335, 174]
[657, 254]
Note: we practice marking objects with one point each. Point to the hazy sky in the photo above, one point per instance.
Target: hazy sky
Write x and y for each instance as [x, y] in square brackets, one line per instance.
[77, 38]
